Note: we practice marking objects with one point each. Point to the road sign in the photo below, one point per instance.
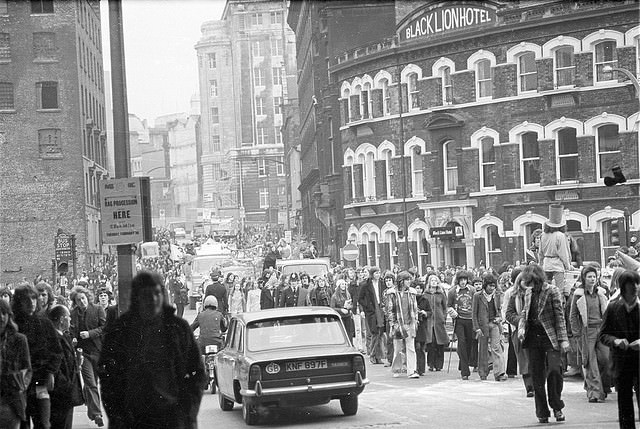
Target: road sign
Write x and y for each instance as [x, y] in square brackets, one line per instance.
[350, 252]
[121, 209]
[64, 246]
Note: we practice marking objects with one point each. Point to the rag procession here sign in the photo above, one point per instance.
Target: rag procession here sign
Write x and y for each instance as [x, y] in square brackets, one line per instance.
[121, 210]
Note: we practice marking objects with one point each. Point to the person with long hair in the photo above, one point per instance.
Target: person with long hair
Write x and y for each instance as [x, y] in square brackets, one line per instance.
[45, 353]
[152, 373]
[543, 333]
[437, 337]
[15, 370]
[237, 301]
[587, 311]
[341, 298]
[402, 313]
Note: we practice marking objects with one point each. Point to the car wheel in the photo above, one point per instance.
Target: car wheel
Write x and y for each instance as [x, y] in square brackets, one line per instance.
[249, 411]
[225, 404]
[349, 405]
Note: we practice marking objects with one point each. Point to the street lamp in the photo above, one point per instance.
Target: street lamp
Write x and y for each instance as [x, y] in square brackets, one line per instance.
[627, 73]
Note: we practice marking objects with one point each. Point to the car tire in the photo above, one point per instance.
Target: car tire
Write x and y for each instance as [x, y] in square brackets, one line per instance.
[225, 404]
[349, 405]
[249, 411]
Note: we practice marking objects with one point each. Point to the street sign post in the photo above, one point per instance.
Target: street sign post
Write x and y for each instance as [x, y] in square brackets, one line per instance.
[350, 252]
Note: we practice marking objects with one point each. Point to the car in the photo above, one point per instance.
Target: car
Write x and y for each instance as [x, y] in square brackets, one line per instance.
[313, 267]
[288, 357]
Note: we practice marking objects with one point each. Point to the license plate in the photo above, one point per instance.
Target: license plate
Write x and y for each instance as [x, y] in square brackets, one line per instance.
[306, 365]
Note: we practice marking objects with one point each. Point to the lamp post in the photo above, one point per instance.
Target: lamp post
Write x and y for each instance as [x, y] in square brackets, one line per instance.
[627, 73]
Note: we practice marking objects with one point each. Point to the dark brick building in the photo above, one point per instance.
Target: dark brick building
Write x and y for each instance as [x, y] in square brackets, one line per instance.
[461, 129]
[323, 29]
[52, 139]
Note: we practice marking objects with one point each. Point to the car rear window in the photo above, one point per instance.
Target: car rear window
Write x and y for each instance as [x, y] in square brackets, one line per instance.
[295, 331]
[311, 269]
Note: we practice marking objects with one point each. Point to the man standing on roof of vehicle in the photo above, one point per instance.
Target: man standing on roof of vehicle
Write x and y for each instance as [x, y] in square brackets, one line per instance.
[218, 290]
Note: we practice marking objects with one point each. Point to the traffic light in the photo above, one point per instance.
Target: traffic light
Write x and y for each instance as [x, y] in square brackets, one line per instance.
[617, 232]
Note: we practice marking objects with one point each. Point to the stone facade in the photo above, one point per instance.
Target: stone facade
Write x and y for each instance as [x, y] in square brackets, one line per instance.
[483, 167]
[52, 139]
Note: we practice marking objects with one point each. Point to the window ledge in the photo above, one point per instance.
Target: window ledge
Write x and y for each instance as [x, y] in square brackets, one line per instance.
[8, 111]
[5, 61]
[57, 110]
[45, 60]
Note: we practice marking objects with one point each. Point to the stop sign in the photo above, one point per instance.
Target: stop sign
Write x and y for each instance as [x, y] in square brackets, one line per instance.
[350, 252]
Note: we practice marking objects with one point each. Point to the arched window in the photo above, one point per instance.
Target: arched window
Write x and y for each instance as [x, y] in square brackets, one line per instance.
[373, 251]
[365, 244]
[564, 67]
[608, 149]
[346, 95]
[422, 246]
[529, 243]
[386, 100]
[386, 156]
[370, 181]
[567, 155]
[416, 171]
[605, 55]
[493, 251]
[412, 87]
[447, 85]
[527, 72]
[392, 240]
[367, 101]
[358, 91]
[488, 163]
[529, 158]
[450, 166]
[484, 84]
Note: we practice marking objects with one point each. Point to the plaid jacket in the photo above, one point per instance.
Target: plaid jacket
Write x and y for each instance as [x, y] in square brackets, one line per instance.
[550, 314]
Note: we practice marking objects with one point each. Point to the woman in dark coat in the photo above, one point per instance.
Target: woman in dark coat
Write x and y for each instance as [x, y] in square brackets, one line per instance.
[437, 337]
[424, 310]
[15, 370]
[152, 373]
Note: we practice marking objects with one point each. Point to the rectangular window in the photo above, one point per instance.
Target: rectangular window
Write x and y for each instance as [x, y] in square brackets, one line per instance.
[6, 96]
[606, 55]
[483, 77]
[215, 170]
[215, 118]
[278, 135]
[276, 47]
[568, 154]
[258, 77]
[257, 48]
[5, 47]
[276, 17]
[414, 95]
[527, 72]
[280, 166]
[4, 9]
[451, 167]
[530, 159]
[608, 149]
[277, 105]
[488, 163]
[259, 106]
[47, 95]
[264, 198]
[261, 135]
[565, 67]
[41, 6]
[277, 75]
[211, 60]
[256, 19]
[493, 238]
[262, 167]
[213, 88]
[44, 46]
[215, 143]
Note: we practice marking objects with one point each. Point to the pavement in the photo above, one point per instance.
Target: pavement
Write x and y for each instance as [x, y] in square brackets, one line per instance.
[436, 400]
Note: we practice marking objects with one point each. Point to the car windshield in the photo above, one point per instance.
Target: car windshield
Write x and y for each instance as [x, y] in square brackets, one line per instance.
[311, 269]
[205, 263]
[295, 332]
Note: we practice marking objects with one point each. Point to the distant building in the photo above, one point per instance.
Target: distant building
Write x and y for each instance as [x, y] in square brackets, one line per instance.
[461, 130]
[247, 70]
[52, 139]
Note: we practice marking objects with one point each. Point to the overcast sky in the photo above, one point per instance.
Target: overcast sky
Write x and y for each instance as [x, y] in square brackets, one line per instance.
[161, 62]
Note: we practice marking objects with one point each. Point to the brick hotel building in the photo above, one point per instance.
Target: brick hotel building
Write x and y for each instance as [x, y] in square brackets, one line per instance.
[462, 128]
